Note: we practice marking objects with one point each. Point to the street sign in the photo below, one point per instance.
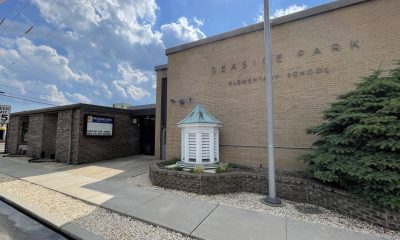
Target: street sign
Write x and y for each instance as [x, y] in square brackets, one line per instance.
[5, 114]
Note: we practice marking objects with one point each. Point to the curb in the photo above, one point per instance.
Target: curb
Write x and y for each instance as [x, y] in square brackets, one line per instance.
[70, 230]
[76, 230]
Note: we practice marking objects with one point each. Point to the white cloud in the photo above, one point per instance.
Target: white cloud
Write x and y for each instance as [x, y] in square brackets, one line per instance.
[90, 49]
[133, 75]
[260, 16]
[289, 10]
[180, 32]
[280, 12]
[107, 92]
[37, 63]
[58, 97]
[131, 81]
[136, 93]
[79, 97]
[55, 96]
[198, 21]
[106, 29]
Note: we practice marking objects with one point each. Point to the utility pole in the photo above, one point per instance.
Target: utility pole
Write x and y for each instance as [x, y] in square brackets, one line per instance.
[271, 199]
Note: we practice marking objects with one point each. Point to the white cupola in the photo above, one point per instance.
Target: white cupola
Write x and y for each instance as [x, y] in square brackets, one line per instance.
[199, 138]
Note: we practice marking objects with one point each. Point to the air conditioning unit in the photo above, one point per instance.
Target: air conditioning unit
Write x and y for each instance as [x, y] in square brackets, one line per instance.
[121, 105]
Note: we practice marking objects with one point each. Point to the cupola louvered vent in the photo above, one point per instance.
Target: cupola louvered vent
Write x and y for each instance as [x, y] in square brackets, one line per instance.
[192, 147]
[200, 137]
[205, 147]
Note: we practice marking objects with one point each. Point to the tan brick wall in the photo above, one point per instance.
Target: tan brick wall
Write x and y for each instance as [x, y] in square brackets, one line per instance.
[298, 99]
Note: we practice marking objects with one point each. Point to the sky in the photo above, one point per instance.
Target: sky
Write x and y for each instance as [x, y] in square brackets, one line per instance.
[104, 51]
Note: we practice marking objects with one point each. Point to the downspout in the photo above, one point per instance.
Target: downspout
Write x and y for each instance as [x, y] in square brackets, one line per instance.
[70, 137]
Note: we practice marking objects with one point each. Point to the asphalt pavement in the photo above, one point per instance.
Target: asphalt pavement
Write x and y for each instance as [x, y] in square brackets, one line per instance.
[16, 225]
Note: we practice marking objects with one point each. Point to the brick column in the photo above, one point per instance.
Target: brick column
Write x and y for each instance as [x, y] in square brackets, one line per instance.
[35, 135]
[13, 131]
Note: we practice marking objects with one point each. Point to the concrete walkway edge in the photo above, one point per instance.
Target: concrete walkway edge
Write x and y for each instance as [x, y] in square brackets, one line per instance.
[191, 217]
[70, 230]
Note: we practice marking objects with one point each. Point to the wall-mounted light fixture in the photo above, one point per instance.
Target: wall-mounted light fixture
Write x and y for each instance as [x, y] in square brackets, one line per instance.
[182, 101]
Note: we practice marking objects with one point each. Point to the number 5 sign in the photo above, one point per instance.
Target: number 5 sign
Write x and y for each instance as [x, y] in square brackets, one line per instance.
[5, 114]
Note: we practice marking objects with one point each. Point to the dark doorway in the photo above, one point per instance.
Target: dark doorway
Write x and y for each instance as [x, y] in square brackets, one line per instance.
[49, 135]
[163, 137]
[147, 137]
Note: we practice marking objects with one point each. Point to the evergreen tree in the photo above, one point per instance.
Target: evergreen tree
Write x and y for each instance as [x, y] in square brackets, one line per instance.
[359, 145]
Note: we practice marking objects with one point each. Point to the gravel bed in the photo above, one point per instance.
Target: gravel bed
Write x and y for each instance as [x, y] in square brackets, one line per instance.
[114, 226]
[300, 211]
[95, 219]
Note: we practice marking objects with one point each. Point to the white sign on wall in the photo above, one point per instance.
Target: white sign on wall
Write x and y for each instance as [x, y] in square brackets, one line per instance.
[99, 126]
[5, 114]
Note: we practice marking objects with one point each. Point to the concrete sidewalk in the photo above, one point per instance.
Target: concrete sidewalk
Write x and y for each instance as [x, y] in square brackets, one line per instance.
[199, 219]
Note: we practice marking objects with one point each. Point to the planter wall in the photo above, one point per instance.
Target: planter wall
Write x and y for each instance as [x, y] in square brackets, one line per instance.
[294, 188]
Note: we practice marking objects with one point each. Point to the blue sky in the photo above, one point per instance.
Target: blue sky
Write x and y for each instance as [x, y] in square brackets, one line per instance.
[104, 51]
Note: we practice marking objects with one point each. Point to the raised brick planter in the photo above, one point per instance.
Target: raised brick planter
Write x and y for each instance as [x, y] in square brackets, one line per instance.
[291, 187]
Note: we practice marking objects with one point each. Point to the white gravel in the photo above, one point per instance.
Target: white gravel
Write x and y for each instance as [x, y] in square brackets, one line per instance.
[114, 226]
[95, 219]
[252, 202]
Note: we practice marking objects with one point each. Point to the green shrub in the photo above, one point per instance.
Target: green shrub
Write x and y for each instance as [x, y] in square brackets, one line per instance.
[225, 167]
[198, 169]
[359, 145]
[172, 161]
[219, 169]
[232, 165]
[178, 168]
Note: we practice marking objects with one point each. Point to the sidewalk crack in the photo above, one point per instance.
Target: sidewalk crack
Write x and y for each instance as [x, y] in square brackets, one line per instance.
[190, 234]
[286, 226]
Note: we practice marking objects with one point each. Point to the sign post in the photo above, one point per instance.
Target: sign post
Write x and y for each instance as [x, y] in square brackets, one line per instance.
[5, 120]
[271, 199]
[5, 114]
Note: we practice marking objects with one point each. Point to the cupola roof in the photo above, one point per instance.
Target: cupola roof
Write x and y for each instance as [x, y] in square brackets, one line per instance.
[199, 115]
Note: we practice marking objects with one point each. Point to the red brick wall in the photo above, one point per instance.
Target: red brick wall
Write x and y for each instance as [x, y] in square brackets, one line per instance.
[124, 142]
[49, 134]
[63, 135]
[35, 135]
[12, 135]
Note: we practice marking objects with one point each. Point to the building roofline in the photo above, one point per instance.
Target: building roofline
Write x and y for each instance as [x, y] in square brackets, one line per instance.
[141, 107]
[82, 106]
[260, 26]
[161, 67]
